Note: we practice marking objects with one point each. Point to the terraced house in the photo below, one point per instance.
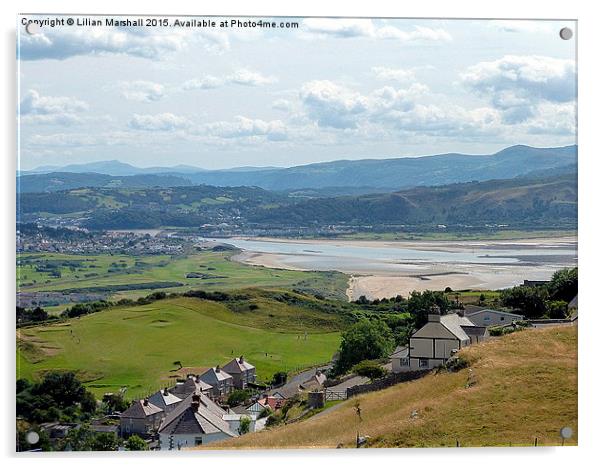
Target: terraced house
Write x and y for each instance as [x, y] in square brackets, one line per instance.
[242, 372]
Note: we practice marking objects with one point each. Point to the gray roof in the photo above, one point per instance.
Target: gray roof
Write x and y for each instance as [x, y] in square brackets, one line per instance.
[189, 386]
[475, 330]
[141, 409]
[207, 419]
[400, 352]
[238, 365]
[454, 323]
[163, 400]
[214, 376]
[494, 311]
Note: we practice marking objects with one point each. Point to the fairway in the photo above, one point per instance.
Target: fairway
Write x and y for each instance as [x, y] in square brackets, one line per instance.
[136, 346]
[213, 270]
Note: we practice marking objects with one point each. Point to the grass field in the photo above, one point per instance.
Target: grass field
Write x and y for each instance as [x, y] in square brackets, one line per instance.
[525, 388]
[136, 346]
[218, 271]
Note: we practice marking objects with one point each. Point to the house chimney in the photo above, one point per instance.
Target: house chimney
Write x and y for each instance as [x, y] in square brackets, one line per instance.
[145, 402]
[196, 402]
[460, 312]
[217, 369]
[165, 392]
[434, 314]
[198, 379]
[241, 359]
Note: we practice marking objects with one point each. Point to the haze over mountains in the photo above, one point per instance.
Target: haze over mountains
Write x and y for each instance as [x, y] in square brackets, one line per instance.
[326, 178]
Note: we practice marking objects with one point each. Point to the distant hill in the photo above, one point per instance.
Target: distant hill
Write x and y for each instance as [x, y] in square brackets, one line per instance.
[525, 386]
[529, 202]
[111, 167]
[368, 175]
[62, 181]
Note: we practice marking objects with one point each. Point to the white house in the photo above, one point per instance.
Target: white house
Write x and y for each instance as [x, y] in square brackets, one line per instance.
[492, 317]
[165, 400]
[242, 372]
[196, 421]
[190, 385]
[141, 418]
[434, 343]
[221, 382]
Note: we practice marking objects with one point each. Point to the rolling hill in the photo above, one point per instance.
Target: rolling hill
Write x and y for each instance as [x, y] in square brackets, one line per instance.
[526, 202]
[378, 174]
[525, 387]
[550, 201]
[135, 346]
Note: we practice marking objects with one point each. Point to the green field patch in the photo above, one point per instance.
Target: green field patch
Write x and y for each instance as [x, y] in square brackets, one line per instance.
[144, 274]
[138, 353]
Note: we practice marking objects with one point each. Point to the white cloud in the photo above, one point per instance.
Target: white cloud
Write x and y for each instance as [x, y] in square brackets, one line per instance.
[521, 26]
[516, 85]
[339, 27]
[206, 82]
[242, 77]
[553, 119]
[332, 105]
[243, 127]
[348, 28]
[419, 33]
[283, 105]
[393, 74]
[152, 43]
[35, 108]
[158, 122]
[247, 77]
[142, 91]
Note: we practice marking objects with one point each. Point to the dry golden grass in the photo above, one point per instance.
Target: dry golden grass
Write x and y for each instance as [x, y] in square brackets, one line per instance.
[526, 387]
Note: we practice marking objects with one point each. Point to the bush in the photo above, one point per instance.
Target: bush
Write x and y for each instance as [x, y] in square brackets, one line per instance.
[279, 378]
[238, 397]
[135, 443]
[371, 369]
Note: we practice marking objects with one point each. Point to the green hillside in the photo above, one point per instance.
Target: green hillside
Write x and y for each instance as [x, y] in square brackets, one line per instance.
[523, 386]
[520, 202]
[136, 346]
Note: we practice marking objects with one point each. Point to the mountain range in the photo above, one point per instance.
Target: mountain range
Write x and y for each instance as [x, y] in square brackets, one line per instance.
[341, 176]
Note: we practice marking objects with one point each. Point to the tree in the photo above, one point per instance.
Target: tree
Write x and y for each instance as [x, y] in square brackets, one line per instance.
[245, 425]
[366, 339]
[238, 397]
[563, 285]
[104, 441]
[419, 305]
[279, 378]
[115, 402]
[62, 387]
[531, 301]
[88, 402]
[135, 443]
[557, 309]
[371, 369]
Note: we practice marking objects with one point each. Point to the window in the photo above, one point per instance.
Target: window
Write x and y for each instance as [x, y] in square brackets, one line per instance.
[198, 440]
[423, 362]
[502, 318]
[404, 362]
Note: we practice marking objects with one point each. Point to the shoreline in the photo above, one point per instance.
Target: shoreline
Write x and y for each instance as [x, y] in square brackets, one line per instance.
[374, 281]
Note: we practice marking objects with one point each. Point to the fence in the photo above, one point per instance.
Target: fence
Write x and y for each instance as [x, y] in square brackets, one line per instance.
[332, 395]
[385, 382]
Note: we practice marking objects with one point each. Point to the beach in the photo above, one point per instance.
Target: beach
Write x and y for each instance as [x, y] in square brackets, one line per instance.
[380, 269]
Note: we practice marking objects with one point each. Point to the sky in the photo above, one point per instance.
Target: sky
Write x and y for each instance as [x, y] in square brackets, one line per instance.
[329, 89]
